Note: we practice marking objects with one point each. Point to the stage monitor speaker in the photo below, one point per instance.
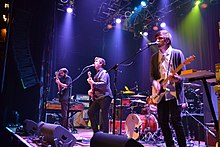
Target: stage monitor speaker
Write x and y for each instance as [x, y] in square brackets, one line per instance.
[30, 127]
[56, 135]
[108, 140]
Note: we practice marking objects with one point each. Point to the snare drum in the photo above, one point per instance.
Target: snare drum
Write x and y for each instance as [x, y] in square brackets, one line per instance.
[137, 125]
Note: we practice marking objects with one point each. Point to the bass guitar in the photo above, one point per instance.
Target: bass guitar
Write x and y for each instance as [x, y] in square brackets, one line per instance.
[91, 86]
[158, 95]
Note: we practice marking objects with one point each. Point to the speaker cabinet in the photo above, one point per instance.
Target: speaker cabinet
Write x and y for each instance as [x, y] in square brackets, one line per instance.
[108, 140]
[30, 127]
[56, 135]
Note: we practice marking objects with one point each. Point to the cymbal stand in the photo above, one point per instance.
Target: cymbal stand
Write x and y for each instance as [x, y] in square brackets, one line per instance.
[189, 139]
[115, 68]
[200, 123]
[120, 128]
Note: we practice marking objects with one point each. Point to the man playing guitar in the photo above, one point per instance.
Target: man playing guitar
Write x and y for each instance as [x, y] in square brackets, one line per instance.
[100, 90]
[64, 93]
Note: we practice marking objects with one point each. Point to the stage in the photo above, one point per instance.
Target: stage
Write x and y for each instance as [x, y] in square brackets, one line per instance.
[83, 137]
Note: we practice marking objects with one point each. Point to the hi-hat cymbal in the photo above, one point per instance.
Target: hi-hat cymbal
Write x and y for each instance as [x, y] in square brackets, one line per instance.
[138, 96]
[191, 84]
[128, 92]
[138, 101]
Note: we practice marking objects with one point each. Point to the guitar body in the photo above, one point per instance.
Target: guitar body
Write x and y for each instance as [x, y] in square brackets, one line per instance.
[91, 86]
[158, 95]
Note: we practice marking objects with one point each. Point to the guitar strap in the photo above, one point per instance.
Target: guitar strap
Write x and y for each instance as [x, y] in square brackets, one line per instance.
[169, 63]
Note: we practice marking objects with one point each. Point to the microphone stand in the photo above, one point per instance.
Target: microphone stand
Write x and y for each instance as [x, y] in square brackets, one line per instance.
[85, 69]
[115, 68]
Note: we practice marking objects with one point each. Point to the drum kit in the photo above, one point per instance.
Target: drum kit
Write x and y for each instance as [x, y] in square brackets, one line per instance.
[194, 97]
[141, 121]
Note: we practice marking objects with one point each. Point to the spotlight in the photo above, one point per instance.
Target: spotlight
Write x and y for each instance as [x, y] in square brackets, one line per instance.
[155, 28]
[118, 20]
[204, 6]
[197, 2]
[163, 25]
[109, 26]
[145, 34]
[69, 9]
[143, 3]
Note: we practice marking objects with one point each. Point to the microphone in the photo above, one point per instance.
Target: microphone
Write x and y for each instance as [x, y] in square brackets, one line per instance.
[152, 43]
[89, 66]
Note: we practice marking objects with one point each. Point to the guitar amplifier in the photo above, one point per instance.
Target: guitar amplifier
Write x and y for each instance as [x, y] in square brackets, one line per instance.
[84, 99]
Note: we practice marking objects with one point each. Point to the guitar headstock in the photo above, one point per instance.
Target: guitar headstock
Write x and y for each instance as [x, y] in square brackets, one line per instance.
[189, 59]
[89, 74]
[57, 73]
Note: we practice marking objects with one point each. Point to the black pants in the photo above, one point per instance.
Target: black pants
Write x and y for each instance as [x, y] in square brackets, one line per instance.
[169, 110]
[64, 108]
[94, 109]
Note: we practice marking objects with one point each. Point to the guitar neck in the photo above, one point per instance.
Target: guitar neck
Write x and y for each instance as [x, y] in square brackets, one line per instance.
[173, 73]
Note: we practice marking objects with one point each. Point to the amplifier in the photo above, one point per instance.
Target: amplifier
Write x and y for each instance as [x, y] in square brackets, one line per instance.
[82, 97]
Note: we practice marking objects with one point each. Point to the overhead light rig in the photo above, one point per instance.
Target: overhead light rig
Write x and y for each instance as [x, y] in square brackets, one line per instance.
[136, 17]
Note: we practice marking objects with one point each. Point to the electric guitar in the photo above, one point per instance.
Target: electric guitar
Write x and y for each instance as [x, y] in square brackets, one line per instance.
[59, 92]
[158, 95]
[91, 86]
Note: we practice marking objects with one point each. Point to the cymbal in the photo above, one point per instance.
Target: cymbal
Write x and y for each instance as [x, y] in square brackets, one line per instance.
[138, 96]
[191, 84]
[138, 101]
[128, 92]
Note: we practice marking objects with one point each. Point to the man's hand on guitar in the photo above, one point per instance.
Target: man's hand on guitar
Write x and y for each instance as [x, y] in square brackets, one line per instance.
[90, 81]
[58, 81]
[175, 78]
[90, 92]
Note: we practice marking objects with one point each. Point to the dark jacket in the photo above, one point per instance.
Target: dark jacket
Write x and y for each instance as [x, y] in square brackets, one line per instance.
[177, 58]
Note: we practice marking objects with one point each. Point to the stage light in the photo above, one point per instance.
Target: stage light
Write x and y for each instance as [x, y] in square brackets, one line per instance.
[143, 3]
[145, 34]
[69, 10]
[163, 25]
[109, 26]
[155, 28]
[135, 8]
[197, 2]
[204, 6]
[118, 20]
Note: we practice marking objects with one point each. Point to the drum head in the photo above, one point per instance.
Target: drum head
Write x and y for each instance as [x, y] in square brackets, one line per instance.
[133, 122]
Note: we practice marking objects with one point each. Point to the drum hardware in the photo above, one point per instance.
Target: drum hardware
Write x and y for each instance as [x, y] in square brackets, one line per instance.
[138, 101]
[199, 124]
[191, 84]
[138, 96]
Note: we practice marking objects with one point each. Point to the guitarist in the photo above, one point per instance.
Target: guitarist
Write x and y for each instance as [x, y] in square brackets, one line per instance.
[64, 94]
[163, 62]
[102, 97]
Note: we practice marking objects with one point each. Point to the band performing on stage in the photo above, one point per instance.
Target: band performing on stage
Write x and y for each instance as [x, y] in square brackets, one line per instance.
[110, 73]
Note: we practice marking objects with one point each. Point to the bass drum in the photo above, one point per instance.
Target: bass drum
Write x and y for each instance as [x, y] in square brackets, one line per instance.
[193, 101]
[137, 125]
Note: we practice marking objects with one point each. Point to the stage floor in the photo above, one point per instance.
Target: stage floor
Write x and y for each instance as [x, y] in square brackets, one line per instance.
[84, 135]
